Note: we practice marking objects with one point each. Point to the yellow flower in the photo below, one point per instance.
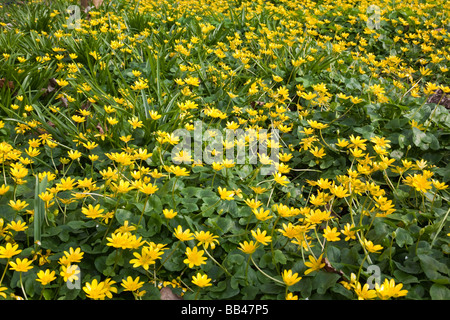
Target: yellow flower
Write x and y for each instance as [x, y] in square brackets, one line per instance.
[262, 214]
[193, 81]
[70, 272]
[74, 255]
[206, 239]
[92, 212]
[277, 78]
[439, 185]
[290, 279]
[331, 234]
[364, 293]
[252, 203]
[318, 153]
[248, 247]
[317, 125]
[258, 190]
[147, 257]
[135, 123]
[179, 172]
[371, 247]
[155, 115]
[261, 236]
[388, 289]
[17, 205]
[122, 187]
[9, 251]
[314, 264]
[148, 189]
[225, 194]
[131, 285]
[280, 179]
[66, 184]
[291, 296]
[339, 191]
[140, 84]
[95, 290]
[169, 214]
[194, 257]
[348, 232]
[109, 288]
[45, 277]
[421, 183]
[342, 143]
[46, 196]
[308, 96]
[285, 157]
[17, 225]
[183, 235]
[119, 240]
[3, 189]
[201, 280]
[21, 265]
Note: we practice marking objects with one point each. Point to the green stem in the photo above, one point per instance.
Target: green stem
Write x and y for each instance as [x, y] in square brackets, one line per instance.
[173, 192]
[265, 274]
[143, 209]
[167, 258]
[21, 286]
[112, 218]
[4, 271]
[221, 266]
[360, 267]
[440, 227]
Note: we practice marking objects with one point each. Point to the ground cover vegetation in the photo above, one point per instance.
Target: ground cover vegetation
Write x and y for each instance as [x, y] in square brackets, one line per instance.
[96, 204]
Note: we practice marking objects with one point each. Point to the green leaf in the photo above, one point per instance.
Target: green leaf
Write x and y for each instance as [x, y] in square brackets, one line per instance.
[434, 270]
[402, 237]
[76, 224]
[123, 215]
[418, 137]
[324, 280]
[439, 292]
[279, 257]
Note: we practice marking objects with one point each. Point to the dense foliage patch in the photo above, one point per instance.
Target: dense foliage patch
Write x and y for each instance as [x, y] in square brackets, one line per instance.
[102, 192]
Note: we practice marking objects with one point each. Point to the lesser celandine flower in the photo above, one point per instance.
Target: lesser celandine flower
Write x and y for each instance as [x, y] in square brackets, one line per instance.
[291, 296]
[147, 257]
[261, 237]
[169, 213]
[194, 257]
[201, 280]
[262, 214]
[364, 292]
[331, 234]
[248, 247]
[290, 278]
[17, 226]
[92, 212]
[21, 265]
[225, 194]
[206, 239]
[74, 256]
[9, 250]
[314, 264]
[18, 205]
[371, 247]
[95, 290]
[4, 189]
[389, 289]
[183, 235]
[45, 277]
[70, 272]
